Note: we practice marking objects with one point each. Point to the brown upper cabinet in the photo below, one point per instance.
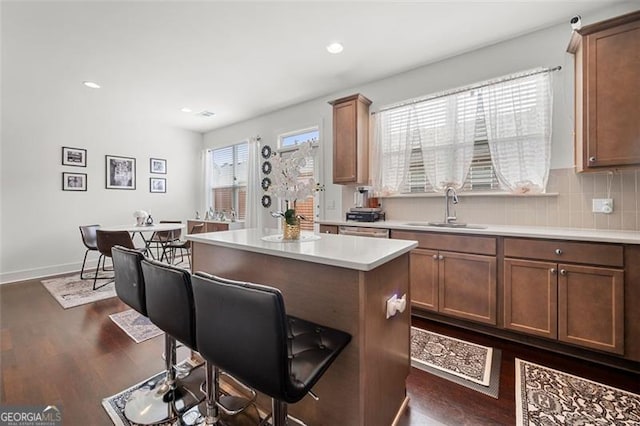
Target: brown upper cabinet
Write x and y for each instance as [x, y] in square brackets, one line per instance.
[351, 139]
[607, 78]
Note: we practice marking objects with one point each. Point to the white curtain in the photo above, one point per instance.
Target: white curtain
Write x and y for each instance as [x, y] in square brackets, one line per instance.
[518, 117]
[253, 217]
[392, 150]
[447, 134]
[207, 167]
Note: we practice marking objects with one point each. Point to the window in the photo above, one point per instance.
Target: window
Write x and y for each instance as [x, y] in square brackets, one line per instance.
[229, 177]
[287, 144]
[490, 136]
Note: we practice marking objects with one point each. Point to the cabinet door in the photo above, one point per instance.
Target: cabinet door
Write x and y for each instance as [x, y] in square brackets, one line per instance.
[467, 286]
[192, 223]
[423, 279]
[591, 307]
[345, 153]
[612, 90]
[531, 297]
[328, 229]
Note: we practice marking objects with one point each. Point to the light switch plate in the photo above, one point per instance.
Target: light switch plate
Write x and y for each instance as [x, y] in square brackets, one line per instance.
[602, 205]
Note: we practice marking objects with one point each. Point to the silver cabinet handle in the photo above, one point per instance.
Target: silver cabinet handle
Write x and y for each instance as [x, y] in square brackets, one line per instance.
[558, 252]
[440, 257]
[435, 257]
[552, 270]
[563, 272]
[592, 159]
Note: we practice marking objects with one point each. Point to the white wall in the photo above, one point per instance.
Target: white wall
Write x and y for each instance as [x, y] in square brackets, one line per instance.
[39, 221]
[544, 48]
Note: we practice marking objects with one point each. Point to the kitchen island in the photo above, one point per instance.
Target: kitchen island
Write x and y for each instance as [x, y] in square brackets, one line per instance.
[338, 281]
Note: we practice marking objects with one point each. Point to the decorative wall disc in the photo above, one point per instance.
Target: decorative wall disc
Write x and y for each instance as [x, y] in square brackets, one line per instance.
[266, 201]
[266, 183]
[266, 167]
[266, 152]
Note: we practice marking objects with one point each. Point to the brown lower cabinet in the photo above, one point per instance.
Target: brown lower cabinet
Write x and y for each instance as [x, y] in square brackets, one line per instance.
[456, 284]
[209, 226]
[581, 305]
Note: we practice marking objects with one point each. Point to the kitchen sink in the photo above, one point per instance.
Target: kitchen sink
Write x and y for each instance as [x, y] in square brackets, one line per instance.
[446, 225]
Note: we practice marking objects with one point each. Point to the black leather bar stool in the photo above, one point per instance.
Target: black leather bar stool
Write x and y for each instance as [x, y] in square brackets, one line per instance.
[169, 302]
[143, 408]
[243, 329]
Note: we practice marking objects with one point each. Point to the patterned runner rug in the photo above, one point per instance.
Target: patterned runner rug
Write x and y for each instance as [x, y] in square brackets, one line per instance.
[549, 397]
[137, 326]
[71, 291]
[468, 364]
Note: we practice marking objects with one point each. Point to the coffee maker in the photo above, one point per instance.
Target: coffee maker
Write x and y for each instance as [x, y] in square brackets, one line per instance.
[366, 208]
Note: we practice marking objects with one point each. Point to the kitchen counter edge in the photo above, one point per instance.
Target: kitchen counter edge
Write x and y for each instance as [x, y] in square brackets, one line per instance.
[577, 234]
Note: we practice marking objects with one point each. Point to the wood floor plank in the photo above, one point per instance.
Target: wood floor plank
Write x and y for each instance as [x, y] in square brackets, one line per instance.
[75, 357]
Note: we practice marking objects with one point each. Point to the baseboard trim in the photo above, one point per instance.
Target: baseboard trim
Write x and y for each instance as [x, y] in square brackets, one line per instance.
[46, 271]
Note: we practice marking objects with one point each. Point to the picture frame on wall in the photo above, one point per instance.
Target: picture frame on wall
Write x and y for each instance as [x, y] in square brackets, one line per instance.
[74, 181]
[158, 185]
[120, 172]
[76, 157]
[158, 166]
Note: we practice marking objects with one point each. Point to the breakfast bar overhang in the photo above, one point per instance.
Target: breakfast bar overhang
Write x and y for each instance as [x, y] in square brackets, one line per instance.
[342, 282]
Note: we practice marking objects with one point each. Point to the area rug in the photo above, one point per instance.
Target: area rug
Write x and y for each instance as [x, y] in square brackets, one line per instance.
[549, 397]
[468, 364]
[71, 291]
[137, 326]
[114, 405]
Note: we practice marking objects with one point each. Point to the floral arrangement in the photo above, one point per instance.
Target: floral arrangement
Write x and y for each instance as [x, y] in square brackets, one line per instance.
[286, 183]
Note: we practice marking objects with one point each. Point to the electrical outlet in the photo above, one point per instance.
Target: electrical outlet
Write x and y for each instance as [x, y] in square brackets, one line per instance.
[602, 205]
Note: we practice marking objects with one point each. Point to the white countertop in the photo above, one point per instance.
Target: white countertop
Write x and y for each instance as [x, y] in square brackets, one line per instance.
[360, 253]
[578, 234]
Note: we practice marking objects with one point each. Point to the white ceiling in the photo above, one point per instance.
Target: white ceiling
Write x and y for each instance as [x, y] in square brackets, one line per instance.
[244, 59]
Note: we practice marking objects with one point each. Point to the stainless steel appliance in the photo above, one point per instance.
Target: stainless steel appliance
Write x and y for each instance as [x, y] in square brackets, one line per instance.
[361, 231]
[366, 215]
[361, 197]
[366, 208]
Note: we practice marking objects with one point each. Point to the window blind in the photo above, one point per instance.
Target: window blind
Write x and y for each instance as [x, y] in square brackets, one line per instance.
[515, 106]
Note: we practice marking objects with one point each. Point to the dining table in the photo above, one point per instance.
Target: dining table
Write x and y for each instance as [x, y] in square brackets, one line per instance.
[141, 230]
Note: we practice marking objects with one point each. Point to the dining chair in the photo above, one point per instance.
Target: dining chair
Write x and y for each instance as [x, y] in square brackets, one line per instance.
[161, 238]
[184, 245]
[88, 233]
[106, 240]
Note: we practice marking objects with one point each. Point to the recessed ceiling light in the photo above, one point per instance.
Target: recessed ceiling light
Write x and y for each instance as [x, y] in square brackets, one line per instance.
[91, 84]
[335, 47]
[185, 109]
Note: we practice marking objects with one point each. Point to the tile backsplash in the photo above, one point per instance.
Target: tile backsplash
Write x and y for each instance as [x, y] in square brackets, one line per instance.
[570, 208]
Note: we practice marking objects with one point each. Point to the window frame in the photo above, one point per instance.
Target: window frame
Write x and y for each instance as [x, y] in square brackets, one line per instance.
[236, 189]
[317, 165]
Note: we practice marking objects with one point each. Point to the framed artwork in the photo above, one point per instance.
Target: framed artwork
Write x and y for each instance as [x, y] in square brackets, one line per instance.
[74, 181]
[120, 172]
[158, 165]
[74, 157]
[157, 185]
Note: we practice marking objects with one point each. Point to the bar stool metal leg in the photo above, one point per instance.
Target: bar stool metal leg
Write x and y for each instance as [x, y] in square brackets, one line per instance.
[279, 412]
[211, 414]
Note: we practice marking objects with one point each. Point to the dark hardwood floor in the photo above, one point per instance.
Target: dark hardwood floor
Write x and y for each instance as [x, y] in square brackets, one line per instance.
[74, 358]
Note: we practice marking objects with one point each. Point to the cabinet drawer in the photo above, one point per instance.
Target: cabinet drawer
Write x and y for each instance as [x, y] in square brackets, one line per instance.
[449, 242]
[564, 251]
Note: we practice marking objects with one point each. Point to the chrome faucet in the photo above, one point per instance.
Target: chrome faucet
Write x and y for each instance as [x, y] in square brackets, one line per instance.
[450, 196]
